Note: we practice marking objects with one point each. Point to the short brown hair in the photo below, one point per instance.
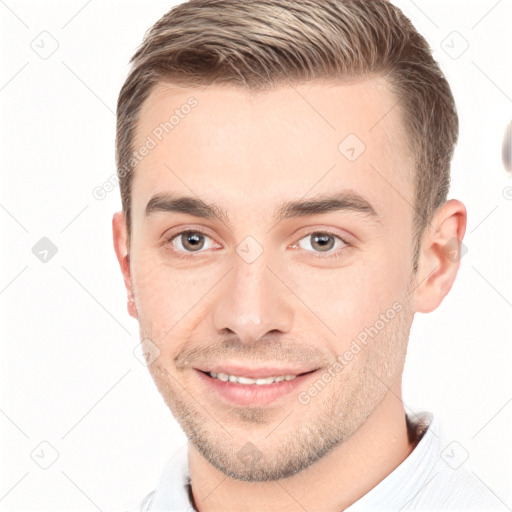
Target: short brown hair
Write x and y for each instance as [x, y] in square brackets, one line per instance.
[260, 44]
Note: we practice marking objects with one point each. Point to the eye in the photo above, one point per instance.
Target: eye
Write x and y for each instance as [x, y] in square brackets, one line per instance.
[323, 242]
[189, 242]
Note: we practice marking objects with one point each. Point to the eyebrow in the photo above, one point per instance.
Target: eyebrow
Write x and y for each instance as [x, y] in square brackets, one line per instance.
[343, 201]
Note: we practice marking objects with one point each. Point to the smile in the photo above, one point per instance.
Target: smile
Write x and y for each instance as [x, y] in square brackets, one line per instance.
[247, 380]
[244, 391]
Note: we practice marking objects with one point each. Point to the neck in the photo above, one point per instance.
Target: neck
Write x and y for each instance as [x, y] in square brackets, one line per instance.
[331, 484]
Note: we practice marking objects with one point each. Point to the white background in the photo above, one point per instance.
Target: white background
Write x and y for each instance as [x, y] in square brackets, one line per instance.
[68, 373]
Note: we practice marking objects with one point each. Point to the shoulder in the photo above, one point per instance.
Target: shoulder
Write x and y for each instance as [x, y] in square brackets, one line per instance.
[145, 504]
[436, 477]
[461, 489]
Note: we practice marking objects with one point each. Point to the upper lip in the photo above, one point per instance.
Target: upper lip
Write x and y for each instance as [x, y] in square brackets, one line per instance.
[254, 373]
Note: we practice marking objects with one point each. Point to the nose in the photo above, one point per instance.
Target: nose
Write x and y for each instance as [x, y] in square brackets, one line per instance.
[253, 302]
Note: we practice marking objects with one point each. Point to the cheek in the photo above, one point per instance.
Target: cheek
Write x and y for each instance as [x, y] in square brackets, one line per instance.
[342, 302]
[159, 295]
[168, 300]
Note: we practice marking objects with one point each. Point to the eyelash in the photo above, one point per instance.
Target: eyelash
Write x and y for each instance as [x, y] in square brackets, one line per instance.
[334, 255]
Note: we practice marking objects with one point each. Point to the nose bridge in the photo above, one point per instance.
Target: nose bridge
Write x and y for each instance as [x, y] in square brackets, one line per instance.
[252, 301]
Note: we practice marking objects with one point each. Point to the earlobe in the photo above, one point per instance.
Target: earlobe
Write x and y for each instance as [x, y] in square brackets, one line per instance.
[120, 237]
[440, 254]
[132, 309]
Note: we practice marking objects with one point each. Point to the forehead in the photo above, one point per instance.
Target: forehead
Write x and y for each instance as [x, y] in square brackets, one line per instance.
[251, 148]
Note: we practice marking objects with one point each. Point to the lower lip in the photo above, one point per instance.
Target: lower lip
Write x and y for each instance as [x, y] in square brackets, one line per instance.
[252, 394]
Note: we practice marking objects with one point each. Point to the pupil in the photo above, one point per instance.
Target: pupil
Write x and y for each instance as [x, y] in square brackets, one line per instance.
[322, 239]
[193, 241]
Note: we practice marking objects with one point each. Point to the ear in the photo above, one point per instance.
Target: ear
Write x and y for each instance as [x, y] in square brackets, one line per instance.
[120, 235]
[440, 253]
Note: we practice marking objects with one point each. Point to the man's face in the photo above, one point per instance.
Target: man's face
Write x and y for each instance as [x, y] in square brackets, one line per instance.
[252, 290]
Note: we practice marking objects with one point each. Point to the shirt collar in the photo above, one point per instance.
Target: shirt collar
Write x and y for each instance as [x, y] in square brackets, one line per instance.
[409, 477]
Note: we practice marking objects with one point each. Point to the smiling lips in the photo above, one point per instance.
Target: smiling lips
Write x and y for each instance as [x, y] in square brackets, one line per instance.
[235, 371]
[247, 380]
[252, 386]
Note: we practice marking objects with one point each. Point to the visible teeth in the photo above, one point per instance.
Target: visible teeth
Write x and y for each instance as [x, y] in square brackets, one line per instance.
[246, 380]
